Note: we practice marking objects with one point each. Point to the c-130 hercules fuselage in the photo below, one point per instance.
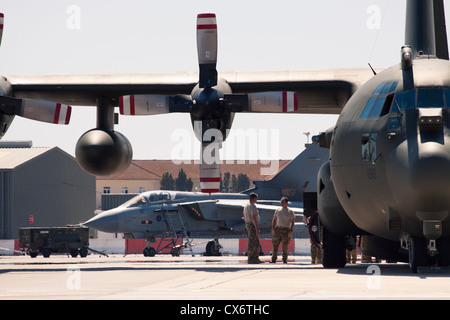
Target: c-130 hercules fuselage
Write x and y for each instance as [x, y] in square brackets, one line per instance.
[390, 155]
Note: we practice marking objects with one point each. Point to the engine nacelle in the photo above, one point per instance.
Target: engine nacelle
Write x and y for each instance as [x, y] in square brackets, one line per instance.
[103, 152]
[332, 216]
[208, 112]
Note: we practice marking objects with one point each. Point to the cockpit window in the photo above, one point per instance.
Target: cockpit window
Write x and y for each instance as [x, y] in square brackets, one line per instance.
[135, 202]
[447, 96]
[404, 100]
[159, 196]
[378, 103]
[141, 199]
[430, 98]
[421, 98]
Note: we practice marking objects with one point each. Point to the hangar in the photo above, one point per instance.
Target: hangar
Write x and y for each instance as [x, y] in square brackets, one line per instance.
[41, 186]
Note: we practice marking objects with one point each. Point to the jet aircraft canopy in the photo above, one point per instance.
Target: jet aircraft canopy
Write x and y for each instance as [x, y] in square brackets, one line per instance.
[149, 197]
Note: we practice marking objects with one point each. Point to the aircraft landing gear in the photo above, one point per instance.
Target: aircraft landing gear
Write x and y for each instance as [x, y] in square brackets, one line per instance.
[213, 248]
[149, 252]
[333, 252]
[443, 245]
[418, 255]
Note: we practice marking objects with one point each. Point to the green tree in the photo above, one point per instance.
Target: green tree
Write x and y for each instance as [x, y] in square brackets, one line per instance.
[243, 182]
[233, 183]
[226, 181]
[167, 182]
[182, 183]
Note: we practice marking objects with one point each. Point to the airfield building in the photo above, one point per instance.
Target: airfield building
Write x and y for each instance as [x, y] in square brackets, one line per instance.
[41, 186]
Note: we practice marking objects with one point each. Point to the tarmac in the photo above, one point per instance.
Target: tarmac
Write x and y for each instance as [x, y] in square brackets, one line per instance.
[199, 278]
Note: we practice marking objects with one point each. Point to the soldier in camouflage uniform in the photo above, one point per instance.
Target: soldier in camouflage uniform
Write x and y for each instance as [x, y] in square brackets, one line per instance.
[251, 218]
[282, 228]
[316, 253]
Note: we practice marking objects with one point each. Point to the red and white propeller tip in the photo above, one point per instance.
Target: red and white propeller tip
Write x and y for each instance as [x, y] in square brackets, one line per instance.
[207, 38]
[2, 22]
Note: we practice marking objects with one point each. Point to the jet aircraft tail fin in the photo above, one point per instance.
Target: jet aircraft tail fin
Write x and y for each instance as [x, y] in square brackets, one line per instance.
[429, 37]
[298, 176]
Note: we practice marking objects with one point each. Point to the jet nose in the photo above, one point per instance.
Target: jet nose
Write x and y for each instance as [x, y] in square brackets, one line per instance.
[106, 222]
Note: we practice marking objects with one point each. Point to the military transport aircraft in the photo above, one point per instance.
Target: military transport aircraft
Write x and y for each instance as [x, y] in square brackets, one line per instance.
[389, 169]
[389, 155]
[177, 215]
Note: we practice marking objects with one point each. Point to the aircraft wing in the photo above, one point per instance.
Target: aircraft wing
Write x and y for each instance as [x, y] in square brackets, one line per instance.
[318, 91]
[233, 209]
[211, 101]
[238, 205]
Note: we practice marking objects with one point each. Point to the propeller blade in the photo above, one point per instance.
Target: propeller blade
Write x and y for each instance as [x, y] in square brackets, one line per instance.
[270, 102]
[207, 49]
[45, 111]
[2, 20]
[150, 104]
[210, 160]
[209, 171]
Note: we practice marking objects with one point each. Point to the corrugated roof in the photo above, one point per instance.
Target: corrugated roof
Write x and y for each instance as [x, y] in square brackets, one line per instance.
[154, 169]
[11, 158]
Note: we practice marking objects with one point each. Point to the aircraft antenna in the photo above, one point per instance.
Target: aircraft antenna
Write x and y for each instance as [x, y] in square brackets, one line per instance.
[374, 73]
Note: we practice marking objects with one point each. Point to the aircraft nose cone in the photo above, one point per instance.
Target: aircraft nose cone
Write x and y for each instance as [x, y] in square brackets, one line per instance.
[430, 174]
[106, 222]
[420, 180]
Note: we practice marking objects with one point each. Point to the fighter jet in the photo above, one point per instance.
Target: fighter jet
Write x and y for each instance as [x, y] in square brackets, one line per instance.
[176, 215]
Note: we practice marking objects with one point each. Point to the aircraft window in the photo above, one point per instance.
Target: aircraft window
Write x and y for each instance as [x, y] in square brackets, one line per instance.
[380, 101]
[393, 87]
[368, 107]
[376, 110]
[447, 97]
[135, 202]
[387, 105]
[378, 89]
[430, 98]
[162, 196]
[369, 147]
[404, 100]
[386, 88]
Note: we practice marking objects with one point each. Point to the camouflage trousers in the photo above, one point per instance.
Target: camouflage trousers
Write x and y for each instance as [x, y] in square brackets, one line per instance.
[253, 242]
[281, 235]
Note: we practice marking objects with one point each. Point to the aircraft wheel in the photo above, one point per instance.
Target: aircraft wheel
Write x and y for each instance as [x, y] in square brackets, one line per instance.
[83, 252]
[417, 253]
[149, 252]
[74, 253]
[212, 249]
[46, 252]
[443, 246]
[333, 252]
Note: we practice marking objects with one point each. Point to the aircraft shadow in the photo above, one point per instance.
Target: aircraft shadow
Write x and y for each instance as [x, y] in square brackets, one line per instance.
[393, 269]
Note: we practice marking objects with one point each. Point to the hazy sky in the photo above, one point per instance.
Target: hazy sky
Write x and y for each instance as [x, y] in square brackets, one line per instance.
[160, 36]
